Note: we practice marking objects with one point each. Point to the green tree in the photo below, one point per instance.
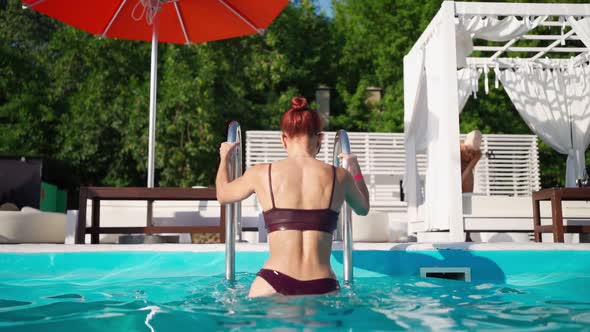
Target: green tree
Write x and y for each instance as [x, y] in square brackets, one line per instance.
[26, 117]
[375, 36]
[65, 94]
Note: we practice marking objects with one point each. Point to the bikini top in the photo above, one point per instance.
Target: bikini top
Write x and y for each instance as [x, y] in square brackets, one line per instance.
[279, 219]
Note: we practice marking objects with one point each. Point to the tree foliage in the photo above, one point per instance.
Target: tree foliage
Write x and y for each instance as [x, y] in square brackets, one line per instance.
[67, 95]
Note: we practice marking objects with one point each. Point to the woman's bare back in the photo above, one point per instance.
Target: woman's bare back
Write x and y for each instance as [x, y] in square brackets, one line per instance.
[304, 184]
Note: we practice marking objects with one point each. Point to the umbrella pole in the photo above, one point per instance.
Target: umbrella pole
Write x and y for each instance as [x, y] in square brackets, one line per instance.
[152, 128]
[153, 89]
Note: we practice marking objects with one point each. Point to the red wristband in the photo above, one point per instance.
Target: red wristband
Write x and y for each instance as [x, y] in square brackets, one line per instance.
[358, 176]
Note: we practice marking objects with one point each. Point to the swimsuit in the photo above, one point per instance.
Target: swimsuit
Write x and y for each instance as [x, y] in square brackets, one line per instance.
[286, 285]
[278, 219]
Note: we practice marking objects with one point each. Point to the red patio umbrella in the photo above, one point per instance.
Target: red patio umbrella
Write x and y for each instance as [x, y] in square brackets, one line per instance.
[167, 21]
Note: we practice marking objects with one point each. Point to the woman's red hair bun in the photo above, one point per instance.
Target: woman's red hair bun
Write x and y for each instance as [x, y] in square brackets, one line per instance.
[298, 104]
[300, 119]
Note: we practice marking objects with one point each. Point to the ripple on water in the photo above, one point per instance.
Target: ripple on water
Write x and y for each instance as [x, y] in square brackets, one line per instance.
[211, 303]
[12, 303]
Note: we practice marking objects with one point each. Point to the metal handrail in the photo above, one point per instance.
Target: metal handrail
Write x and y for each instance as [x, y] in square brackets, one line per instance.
[344, 233]
[233, 211]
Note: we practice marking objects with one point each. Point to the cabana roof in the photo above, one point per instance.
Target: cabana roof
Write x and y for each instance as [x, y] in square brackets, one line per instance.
[557, 35]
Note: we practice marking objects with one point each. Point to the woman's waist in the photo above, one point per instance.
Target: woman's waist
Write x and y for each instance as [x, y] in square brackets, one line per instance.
[302, 271]
[311, 260]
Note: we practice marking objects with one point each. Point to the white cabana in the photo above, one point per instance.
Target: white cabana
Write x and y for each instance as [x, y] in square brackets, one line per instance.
[551, 94]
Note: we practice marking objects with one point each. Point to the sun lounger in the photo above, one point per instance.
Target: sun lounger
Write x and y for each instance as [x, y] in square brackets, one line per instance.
[32, 226]
[509, 219]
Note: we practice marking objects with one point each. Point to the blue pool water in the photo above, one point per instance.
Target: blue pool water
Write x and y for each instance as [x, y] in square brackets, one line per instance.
[173, 291]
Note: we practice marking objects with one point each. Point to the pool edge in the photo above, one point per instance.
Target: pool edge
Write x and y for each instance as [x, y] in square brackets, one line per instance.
[261, 247]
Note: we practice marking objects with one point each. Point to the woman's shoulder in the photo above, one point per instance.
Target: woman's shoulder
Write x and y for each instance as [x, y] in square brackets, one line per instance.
[260, 166]
[314, 165]
[330, 167]
[258, 169]
[276, 165]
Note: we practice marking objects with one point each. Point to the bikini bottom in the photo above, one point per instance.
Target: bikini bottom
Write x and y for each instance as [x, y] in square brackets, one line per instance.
[287, 285]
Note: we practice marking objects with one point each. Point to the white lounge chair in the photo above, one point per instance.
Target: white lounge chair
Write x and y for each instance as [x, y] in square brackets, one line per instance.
[32, 226]
[510, 219]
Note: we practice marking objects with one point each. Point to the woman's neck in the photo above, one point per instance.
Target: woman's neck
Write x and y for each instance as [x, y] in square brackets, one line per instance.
[300, 151]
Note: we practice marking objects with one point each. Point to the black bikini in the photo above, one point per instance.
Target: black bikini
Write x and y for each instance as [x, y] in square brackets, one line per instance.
[278, 219]
[285, 285]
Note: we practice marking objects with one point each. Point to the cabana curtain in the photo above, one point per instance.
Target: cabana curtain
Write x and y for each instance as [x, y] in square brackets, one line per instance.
[493, 29]
[415, 122]
[431, 124]
[490, 28]
[555, 104]
[468, 84]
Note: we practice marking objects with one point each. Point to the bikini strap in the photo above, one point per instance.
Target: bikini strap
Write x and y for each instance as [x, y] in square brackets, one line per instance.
[333, 185]
[272, 197]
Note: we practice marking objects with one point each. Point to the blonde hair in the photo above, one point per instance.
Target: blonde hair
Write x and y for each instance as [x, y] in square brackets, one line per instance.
[473, 140]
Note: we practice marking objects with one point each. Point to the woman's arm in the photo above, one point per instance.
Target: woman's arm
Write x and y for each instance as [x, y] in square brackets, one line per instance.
[356, 191]
[469, 168]
[238, 189]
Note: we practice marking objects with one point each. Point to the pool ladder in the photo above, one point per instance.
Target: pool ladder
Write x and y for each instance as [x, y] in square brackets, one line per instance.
[233, 211]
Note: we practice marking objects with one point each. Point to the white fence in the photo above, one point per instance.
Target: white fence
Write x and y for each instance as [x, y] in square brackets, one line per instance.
[509, 166]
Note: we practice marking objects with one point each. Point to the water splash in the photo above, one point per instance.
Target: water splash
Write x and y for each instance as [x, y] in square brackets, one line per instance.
[153, 310]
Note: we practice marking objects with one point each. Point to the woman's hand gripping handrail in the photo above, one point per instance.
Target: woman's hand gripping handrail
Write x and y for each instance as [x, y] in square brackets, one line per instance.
[344, 233]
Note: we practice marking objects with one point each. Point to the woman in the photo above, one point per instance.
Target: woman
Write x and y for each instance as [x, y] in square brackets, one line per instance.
[470, 155]
[300, 197]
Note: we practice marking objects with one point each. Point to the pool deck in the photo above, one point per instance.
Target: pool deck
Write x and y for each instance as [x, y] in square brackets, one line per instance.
[245, 247]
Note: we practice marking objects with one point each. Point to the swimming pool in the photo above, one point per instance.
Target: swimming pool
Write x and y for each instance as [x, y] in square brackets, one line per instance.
[172, 288]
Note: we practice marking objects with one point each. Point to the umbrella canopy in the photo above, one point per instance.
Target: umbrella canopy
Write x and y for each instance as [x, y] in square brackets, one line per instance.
[168, 21]
[179, 21]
